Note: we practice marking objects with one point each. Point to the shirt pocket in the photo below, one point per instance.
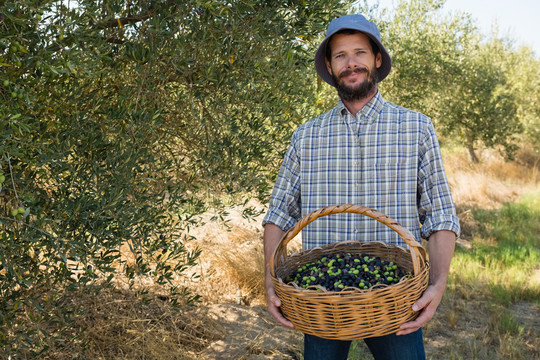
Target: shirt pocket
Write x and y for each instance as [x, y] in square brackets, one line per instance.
[394, 180]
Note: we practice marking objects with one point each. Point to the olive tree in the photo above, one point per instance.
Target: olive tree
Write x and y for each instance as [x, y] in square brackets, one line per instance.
[84, 184]
[424, 46]
[481, 107]
[120, 120]
[524, 81]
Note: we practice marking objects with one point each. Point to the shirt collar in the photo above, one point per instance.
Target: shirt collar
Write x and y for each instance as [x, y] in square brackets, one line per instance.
[370, 111]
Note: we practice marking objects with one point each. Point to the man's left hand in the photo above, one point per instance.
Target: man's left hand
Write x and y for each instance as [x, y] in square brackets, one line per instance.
[427, 304]
[441, 248]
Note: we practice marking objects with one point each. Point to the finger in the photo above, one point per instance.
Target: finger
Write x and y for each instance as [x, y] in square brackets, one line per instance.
[416, 324]
[421, 303]
[282, 320]
[276, 313]
[410, 326]
[407, 331]
[275, 300]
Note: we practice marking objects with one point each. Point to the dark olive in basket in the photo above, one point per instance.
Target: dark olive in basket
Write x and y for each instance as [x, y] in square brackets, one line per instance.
[344, 270]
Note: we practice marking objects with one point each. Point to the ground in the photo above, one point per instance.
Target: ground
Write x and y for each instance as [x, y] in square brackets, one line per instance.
[231, 276]
[250, 334]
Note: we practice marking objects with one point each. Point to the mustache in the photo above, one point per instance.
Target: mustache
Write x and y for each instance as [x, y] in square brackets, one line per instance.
[348, 72]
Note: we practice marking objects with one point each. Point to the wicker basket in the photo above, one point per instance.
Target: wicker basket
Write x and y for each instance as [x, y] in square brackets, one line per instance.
[350, 314]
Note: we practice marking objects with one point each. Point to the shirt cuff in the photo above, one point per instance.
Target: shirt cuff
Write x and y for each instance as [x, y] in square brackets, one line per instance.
[443, 222]
[279, 218]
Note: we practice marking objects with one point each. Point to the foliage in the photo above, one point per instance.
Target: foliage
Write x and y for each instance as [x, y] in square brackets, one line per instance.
[482, 106]
[524, 80]
[424, 50]
[118, 118]
[73, 139]
[240, 79]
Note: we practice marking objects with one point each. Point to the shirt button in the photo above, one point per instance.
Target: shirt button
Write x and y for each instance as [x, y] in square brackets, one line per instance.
[356, 162]
[355, 231]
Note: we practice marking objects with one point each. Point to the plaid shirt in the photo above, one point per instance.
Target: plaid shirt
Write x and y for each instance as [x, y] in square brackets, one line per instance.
[387, 158]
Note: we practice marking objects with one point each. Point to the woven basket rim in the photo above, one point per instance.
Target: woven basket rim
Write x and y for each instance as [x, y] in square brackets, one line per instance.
[416, 250]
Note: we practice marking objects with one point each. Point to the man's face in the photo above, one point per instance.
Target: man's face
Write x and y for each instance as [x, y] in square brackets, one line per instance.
[353, 65]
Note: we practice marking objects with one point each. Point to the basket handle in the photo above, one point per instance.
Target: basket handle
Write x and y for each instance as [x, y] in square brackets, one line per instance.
[418, 253]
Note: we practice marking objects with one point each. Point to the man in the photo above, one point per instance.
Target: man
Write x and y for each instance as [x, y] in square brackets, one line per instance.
[369, 152]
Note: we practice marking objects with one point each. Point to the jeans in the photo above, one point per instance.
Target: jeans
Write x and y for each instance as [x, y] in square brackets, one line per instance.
[389, 347]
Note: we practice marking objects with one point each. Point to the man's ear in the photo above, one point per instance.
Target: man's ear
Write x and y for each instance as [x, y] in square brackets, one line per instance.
[378, 60]
[328, 66]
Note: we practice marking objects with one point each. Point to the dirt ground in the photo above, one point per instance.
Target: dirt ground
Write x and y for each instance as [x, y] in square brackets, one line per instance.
[250, 334]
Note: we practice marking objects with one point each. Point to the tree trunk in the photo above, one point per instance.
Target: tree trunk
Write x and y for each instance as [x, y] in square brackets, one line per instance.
[470, 148]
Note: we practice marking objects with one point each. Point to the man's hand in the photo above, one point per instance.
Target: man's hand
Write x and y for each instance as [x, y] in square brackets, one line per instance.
[441, 249]
[428, 304]
[273, 307]
[272, 235]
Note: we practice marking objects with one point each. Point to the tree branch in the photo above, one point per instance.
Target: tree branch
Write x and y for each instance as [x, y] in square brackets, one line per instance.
[124, 20]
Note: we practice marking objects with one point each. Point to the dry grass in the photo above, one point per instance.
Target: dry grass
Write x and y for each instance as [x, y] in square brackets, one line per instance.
[231, 267]
[233, 260]
[244, 270]
[489, 184]
[493, 181]
[120, 325]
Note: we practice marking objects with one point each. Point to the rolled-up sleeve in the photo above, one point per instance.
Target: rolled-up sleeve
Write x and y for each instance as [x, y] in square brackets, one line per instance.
[284, 208]
[435, 205]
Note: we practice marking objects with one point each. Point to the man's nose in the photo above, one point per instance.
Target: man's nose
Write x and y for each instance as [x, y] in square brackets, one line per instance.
[352, 63]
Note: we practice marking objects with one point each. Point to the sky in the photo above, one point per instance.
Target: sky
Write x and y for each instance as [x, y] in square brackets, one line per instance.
[517, 19]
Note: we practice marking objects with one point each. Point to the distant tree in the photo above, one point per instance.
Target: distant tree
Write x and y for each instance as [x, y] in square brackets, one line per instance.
[524, 79]
[425, 50]
[481, 106]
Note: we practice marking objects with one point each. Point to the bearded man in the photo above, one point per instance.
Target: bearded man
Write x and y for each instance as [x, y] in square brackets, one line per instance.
[370, 152]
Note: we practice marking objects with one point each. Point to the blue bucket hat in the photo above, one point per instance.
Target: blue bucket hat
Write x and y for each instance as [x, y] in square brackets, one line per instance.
[353, 22]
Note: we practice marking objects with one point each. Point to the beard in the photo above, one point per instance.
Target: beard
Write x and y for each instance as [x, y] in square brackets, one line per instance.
[359, 91]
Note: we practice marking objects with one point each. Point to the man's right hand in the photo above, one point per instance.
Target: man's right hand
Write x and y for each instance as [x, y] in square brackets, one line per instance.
[272, 235]
[273, 307]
